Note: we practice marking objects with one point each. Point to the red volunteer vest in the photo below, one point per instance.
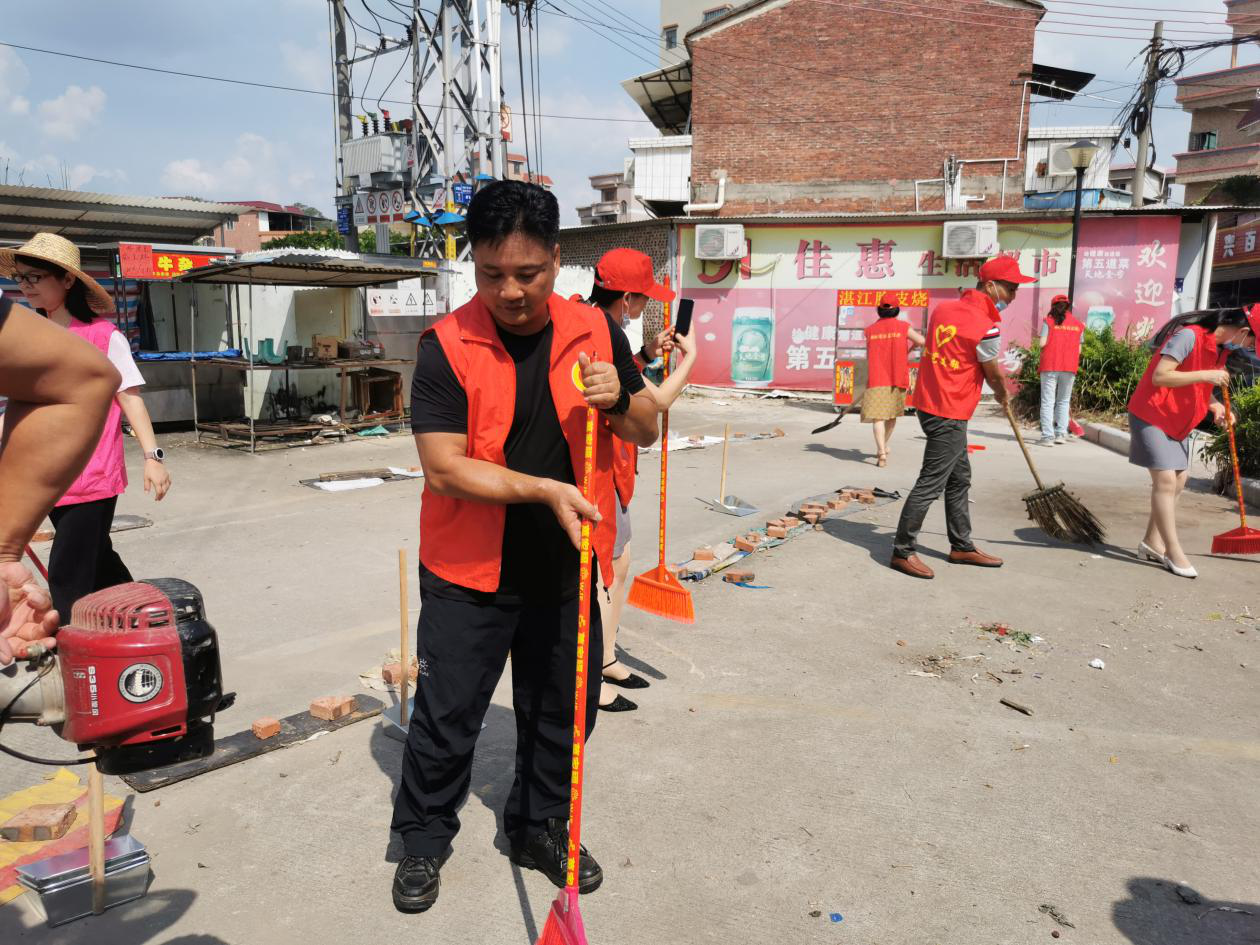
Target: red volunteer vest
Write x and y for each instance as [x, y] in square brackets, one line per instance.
[1062, 350]
[888, 353]
[625, 468]
[462, 541]
[1178, 410]
[950, 376]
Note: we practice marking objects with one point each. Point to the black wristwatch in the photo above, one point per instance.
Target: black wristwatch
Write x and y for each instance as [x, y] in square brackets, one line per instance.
[621, 406]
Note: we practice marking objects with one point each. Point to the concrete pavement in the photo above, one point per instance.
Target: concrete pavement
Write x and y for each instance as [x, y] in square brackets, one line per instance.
[790, 763]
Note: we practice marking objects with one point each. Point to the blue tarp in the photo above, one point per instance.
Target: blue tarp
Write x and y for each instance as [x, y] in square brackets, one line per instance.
[186, 355]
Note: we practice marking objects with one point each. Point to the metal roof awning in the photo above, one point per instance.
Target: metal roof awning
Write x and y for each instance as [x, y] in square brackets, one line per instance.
[312, 271]
[665, 97]
[81, 216]
[1057, 83]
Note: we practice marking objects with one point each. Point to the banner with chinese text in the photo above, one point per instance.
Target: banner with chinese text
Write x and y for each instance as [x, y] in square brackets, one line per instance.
[770, 319]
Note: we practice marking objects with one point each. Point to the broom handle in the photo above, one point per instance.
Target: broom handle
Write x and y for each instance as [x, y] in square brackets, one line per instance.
[726, 442]
[404, 656]
[1020, 438]
[1233, 455]
[660, 538]
[96, 837]
[39, 565]
[579, 697]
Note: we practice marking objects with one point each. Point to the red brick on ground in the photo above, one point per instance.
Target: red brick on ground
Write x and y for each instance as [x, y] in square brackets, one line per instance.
[703, 553]
[392, 672]
[776, 531]
[39, 822]
[266, 727]
[331, 708]
[746, 543]
[735, 576]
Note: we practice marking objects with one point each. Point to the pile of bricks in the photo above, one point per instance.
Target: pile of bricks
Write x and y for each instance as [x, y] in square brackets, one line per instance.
[864, 496]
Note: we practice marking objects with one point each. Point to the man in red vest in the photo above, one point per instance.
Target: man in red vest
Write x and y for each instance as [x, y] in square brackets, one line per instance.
[498, 406]
[963, 341]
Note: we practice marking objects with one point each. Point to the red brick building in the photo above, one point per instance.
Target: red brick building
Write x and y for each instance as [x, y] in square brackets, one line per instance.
[817, 106]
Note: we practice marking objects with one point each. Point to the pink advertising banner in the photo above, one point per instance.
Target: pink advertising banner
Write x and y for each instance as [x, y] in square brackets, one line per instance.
[777, 318]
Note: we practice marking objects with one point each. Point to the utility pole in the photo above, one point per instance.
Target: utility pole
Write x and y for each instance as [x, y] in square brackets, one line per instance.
[1150, 86]
[345, 106]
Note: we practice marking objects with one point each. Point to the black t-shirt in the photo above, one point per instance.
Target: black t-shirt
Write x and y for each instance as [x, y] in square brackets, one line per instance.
[540, 564]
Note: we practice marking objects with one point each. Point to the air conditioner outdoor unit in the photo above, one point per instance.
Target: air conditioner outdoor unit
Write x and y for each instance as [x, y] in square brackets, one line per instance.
[720, 241]
[970, 240]
[1060, 162]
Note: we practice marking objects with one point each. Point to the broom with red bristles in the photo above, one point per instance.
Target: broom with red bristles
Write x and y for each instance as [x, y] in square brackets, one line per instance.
[1241, 540]
[564, 921]
[659, 591]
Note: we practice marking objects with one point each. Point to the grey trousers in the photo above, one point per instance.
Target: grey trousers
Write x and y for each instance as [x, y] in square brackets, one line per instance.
[946, 468]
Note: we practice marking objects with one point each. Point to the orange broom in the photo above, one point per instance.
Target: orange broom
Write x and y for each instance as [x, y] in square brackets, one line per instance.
[1241, 540]
[564, 921]
[659, 591]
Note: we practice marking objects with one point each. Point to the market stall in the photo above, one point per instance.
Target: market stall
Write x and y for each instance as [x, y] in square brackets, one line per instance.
[328, 331]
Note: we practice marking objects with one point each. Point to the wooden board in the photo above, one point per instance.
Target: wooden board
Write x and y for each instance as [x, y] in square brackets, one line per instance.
[243, 745]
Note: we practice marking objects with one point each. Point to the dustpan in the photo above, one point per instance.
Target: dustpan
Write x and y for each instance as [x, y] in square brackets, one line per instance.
[727, 504]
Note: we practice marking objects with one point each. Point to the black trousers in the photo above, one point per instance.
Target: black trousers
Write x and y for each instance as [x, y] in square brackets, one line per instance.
[946, 468]
[462, 650]
[83, 558]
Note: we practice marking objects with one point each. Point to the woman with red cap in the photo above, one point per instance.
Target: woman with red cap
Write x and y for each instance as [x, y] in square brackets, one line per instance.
[888, 344]
[624, 281]
[1061, 337]
[1173, 397]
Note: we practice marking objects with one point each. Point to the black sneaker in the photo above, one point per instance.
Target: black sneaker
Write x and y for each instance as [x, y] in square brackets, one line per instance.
[416, 882]
[548, 852]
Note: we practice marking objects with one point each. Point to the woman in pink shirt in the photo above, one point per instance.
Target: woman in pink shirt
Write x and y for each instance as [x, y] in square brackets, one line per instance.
[83, 559]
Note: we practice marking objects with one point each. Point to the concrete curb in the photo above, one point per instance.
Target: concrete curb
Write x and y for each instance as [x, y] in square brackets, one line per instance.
[1118, 442]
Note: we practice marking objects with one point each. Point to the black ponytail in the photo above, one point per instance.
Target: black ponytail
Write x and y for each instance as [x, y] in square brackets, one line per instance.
[76, 296]
[604, 298]
[1208, 319]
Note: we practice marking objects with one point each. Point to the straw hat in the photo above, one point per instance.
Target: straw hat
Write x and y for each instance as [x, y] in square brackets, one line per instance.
[60, 252]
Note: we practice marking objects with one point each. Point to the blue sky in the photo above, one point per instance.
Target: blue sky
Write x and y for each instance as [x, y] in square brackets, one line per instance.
[119, 130]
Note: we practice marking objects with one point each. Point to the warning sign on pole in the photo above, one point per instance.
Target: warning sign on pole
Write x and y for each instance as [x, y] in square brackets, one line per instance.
[360, 210]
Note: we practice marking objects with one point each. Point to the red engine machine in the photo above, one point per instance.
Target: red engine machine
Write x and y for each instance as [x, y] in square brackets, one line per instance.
[135, 676]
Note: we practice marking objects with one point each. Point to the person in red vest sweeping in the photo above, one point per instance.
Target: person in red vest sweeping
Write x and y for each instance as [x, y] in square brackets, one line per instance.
[961, 354]
[1061, 337]
[498, 406]
[888, 344]
[1173, 397]
[624, 282]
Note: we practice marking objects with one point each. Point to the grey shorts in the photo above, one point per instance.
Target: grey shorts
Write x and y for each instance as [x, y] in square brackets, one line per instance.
[1152, 448]
[623, 530]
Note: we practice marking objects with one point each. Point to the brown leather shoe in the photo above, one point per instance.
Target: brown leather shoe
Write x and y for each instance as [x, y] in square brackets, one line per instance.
[975, 556]
[912, 566]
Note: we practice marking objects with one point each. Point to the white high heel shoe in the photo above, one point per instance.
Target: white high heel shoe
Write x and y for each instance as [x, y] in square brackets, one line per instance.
[1146, 553]
[1180, 572]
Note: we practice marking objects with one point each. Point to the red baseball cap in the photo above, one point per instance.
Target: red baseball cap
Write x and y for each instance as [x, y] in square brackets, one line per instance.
[1003, 269]
[891, 299]
[1061, 298]
[628, 270]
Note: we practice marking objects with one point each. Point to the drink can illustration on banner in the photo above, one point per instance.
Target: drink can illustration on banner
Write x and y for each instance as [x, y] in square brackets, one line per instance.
[752, 347]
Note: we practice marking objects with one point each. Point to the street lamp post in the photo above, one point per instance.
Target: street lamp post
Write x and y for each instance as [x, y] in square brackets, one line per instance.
[1082, 155]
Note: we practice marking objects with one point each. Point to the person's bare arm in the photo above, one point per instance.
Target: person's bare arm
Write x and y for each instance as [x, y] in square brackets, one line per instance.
[1167, 375]
[602, 389]
[59, 388]
[916, 338]
[449, 471]
[672, 387]
[156, 478]
[996, 380]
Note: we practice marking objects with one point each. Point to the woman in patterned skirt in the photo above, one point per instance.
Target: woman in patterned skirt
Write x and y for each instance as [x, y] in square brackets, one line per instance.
[888, 343]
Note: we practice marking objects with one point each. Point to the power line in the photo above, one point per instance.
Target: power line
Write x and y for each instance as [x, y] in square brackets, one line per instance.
[520, 60]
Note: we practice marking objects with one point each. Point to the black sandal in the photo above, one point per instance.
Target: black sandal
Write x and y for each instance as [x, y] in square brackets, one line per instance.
[633, 681]
[620, 704]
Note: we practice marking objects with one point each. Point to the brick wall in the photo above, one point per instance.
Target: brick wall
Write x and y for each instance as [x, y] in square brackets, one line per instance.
[826, 107]
[244, 236]
[584, 245]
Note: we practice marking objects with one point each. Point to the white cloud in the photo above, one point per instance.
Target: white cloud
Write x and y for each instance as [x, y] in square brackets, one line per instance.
[254, 169]
[13, 79]
[310, 65]
[64, 116]
[49, 170]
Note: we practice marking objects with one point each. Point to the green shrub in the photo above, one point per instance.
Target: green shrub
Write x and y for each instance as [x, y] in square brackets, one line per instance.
[1246, 403]
[1109, 373]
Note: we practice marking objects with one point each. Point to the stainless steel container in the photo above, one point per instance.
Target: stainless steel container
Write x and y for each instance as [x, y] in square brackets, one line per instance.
[63, 884]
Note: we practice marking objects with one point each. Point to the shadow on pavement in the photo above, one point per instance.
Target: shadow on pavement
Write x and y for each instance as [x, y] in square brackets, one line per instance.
[853, 455]
[135, 923]
[1161, 912]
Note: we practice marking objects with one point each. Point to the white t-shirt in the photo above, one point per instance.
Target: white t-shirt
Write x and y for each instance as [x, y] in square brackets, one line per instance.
[119, 355]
